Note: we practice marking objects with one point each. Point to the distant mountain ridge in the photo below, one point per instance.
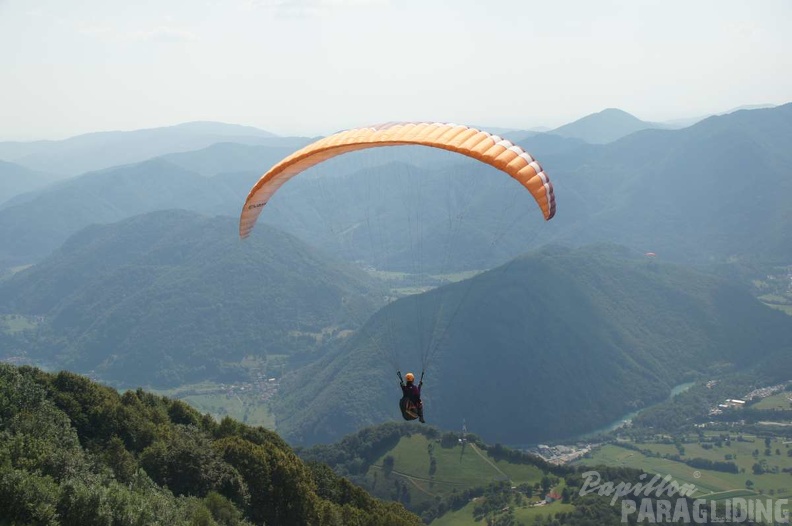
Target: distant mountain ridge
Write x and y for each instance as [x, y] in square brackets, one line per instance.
[16, 179]
[41, 222]
[718, 189]
[559, 342]
[733, 169]
[99, 150]
[603, 127]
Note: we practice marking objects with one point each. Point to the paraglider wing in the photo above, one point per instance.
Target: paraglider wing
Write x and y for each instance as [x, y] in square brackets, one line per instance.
[480, 145]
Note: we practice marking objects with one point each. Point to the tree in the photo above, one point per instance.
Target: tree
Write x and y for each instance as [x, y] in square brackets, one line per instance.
[28, 499]
[547, 483]
[525, 489]
[121, 461]
[223, 510]
[185, 462]
[387, 464]
[281, 487]
[565, 495]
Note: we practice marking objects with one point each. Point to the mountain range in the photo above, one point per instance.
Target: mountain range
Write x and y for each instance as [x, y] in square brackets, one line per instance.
[714, 191]
[124, 285]
[686, 195]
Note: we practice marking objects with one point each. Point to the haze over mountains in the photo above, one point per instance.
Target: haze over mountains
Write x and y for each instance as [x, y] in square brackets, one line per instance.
[684, 194]
[95, 151]
[137, 272]
[604, 127]
[718, 189]
[16, 179]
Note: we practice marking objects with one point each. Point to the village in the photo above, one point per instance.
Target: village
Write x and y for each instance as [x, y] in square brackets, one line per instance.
[739, 403]
[561, 454]
[263, 388]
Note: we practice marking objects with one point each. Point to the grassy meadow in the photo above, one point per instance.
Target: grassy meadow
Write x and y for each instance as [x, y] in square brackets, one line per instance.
[221, 401]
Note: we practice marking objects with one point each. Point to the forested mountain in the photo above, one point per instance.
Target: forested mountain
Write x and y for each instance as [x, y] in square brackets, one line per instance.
[552, 344]
[75, 452]
[169, 297]
[96, 151]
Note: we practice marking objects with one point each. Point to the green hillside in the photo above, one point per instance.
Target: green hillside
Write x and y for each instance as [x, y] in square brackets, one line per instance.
[174, 297]
[433, 473]
[558, 342]
[74, 452]
[455, 479]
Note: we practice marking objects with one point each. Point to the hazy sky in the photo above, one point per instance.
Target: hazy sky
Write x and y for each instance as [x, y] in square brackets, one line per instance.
[310, 67]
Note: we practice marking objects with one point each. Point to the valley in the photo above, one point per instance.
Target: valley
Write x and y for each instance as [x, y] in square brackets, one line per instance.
[614, 337]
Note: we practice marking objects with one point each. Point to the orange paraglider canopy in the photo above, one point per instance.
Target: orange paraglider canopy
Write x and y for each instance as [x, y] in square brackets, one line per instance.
[480, 145]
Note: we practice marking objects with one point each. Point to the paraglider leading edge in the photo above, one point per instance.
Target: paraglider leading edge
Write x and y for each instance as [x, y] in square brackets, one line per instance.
[481, 145]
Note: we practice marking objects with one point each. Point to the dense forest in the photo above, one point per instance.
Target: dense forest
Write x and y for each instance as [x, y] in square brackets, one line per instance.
[73, 452]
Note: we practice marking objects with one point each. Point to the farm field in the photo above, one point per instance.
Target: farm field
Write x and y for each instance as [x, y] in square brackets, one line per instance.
[761, 466]
[221, 401]
[465, 517]
[776, 401]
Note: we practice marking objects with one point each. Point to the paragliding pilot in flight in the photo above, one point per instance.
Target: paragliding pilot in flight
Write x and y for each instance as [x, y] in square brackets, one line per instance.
[410, 404]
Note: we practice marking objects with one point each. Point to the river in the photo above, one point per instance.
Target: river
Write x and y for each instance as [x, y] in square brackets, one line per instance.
[681, 388]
